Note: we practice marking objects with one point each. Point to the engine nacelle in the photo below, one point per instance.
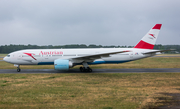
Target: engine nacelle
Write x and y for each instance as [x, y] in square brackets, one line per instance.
[62, 64]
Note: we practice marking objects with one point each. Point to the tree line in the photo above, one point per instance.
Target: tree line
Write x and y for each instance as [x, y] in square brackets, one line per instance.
[11, 47]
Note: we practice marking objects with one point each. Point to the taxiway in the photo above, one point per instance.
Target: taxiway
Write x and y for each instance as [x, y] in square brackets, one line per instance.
[154, 70]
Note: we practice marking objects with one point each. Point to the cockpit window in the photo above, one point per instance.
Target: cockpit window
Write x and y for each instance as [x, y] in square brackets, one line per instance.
[8, 55]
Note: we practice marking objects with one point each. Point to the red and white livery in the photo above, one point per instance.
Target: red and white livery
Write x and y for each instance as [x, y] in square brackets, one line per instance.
[63, 59]
[149, 40]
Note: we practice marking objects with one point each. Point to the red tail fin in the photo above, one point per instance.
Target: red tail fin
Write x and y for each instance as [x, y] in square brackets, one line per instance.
[149, 40]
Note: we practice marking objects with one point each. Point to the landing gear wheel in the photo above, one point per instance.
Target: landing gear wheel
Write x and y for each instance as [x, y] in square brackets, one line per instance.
[18, 70]
[89, 69]
[83, 69]
[18, 67]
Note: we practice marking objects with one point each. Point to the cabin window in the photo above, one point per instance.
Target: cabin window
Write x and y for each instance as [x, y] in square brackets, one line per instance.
[70, 55]
[82, 54]
[36, 55]
[25, 56]
[56, 55]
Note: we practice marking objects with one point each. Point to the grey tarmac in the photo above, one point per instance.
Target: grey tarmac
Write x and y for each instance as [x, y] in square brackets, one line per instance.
[150, 70]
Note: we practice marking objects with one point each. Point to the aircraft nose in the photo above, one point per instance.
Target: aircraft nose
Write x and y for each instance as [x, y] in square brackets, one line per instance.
[5, 59]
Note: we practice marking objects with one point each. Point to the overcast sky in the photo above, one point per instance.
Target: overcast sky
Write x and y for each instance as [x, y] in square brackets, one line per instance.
[100, 22]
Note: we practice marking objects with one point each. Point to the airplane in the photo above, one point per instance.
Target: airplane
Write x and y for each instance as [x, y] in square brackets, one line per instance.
[64, 59]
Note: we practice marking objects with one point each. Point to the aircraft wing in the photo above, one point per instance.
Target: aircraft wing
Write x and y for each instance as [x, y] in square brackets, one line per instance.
[96, 56]
[152, 52]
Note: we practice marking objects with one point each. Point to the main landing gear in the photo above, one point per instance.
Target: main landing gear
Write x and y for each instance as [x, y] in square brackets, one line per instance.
[86, 68]
[83, 69]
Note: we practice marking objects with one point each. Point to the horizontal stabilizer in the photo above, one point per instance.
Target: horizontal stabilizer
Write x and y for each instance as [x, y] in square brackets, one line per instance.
[152, 52]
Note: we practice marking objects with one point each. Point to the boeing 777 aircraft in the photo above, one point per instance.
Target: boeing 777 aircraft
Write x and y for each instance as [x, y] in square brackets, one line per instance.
[63, 59]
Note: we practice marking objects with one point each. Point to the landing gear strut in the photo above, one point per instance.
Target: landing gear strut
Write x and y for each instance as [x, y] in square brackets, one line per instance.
[18, 68]
[86, 68]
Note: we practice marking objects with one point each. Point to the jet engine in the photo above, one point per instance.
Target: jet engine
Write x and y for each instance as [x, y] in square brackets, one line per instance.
[62, 64]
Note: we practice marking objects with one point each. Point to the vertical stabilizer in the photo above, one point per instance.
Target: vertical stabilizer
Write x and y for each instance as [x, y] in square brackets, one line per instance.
[149, 40]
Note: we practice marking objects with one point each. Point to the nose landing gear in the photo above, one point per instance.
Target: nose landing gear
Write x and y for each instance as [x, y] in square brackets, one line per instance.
[18, 67]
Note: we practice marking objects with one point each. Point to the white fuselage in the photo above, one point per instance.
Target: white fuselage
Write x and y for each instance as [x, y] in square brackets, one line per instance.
[63, 59]
[48, 56]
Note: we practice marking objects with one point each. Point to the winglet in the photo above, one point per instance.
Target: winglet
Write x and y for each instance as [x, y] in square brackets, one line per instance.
[149, 40]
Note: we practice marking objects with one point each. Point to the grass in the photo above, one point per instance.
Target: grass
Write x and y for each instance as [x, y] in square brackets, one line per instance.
[168, 55]
[3, 55]
[152, 62]
[91, 90]
[84, 91]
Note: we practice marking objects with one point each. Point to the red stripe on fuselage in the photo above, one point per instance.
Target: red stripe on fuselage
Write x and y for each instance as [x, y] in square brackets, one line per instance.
[30, 54]
[144, 45]
[157, 26]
